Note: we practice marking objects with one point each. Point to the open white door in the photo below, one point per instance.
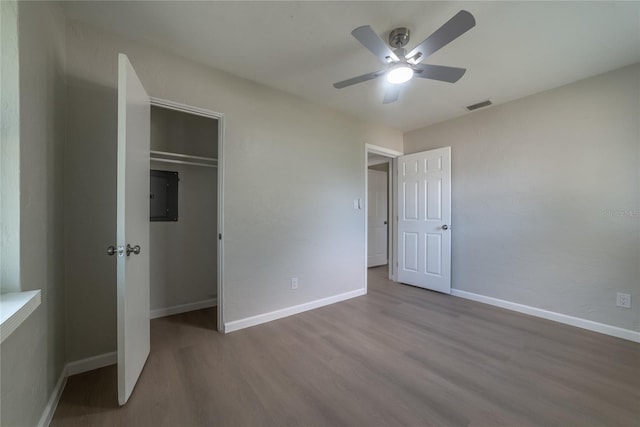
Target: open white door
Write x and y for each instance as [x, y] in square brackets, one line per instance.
[377, 218]
[424, 219]
[133, 228]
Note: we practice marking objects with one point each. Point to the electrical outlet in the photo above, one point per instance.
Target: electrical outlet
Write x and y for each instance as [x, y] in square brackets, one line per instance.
[294, 283]
[623, 300]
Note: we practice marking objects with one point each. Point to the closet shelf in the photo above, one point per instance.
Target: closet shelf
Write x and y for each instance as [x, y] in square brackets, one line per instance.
[183, 159]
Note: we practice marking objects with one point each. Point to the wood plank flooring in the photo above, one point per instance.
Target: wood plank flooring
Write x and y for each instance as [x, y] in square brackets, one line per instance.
[398, 356]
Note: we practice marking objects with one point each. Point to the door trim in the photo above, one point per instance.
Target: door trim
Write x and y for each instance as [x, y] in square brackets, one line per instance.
[391, 200]
[158, 102]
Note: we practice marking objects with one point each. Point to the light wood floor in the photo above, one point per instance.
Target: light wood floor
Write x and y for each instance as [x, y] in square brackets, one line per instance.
[398, 356]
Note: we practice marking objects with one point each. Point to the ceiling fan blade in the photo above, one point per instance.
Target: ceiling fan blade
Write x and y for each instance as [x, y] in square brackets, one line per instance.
[374, 43]
[392, 93]
[439, 72]
[461, 22]
[358, 79]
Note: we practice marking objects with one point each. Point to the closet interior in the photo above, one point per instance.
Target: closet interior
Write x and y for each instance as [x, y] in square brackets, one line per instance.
[183, 199]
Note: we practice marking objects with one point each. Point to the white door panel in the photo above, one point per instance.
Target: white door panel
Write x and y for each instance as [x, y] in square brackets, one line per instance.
[424, 219]
[132, 228]
[377, 219]
[411, 252]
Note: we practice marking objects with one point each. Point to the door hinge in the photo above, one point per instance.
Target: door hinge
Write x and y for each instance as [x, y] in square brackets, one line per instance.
[220, 236]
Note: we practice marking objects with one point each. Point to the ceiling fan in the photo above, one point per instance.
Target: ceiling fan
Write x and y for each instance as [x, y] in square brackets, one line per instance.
[401, 66]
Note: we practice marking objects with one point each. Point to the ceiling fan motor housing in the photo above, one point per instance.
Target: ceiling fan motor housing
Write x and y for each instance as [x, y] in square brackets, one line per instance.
[399, 37]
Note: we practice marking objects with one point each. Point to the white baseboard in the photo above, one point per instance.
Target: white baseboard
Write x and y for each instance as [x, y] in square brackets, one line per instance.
[183, 308]
[72, 368]
[289, 311]
[602, 328]
[102, 360]
[52, 404]
[91, 363]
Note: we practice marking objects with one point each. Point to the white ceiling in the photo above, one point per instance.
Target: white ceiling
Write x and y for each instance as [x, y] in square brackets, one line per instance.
[516, 48]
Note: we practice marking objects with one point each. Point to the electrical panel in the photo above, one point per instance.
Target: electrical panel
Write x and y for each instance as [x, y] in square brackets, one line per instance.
[164, 195]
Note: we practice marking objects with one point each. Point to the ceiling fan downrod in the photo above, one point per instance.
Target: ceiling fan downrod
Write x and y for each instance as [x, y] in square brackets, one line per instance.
[399, 37]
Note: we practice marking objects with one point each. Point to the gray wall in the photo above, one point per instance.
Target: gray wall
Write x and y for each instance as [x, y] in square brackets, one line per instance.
[10, 150]
[179, 132]
[33, 356]
[546, 198]
[384, 167]
[184, 253]
[292, 170]
[89, 204]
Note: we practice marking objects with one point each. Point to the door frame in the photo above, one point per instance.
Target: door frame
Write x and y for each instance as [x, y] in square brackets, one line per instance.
[158, 102]
[392, 207]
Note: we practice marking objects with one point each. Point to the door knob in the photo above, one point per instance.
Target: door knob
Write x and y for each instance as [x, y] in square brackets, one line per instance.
[135, 249]
[112, 250]
[445, 227]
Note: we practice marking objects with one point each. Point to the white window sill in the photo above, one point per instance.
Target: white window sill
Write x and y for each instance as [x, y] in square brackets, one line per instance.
[15, 308]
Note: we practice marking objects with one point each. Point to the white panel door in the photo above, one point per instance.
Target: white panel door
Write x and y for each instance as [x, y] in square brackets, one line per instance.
[377, 218]
[424, 219]
[132, 228]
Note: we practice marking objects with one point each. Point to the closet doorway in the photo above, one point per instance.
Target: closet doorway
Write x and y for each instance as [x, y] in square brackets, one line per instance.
[378, 211]
[380, 240]
[185, 210]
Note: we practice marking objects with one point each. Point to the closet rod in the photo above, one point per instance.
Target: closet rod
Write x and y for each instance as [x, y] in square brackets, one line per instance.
[184, 156]
[183, 162]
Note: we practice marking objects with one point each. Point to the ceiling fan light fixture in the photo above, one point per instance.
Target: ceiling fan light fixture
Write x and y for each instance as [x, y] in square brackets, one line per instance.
[400, 73]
